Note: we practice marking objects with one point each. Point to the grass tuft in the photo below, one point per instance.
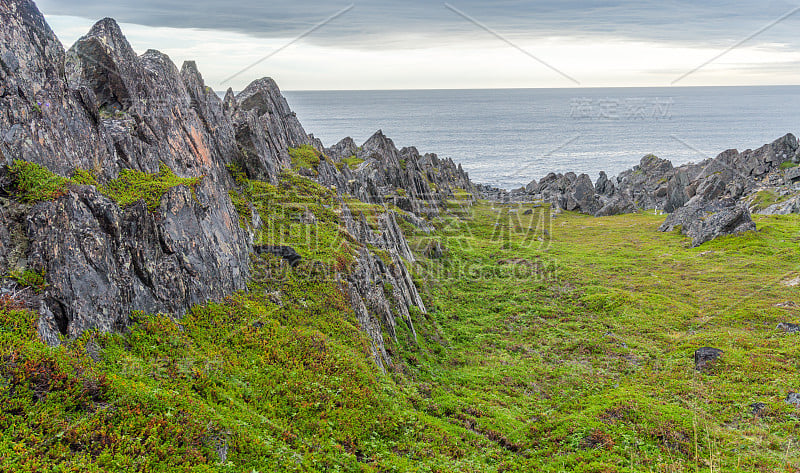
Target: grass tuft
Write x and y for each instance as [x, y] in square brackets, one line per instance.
[36, 183]
[132, 186]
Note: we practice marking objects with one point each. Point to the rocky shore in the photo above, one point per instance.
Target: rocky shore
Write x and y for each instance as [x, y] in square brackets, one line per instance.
[708, 199]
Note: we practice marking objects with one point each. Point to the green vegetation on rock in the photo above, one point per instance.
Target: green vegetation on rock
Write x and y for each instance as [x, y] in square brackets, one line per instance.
[297, 212]
[551, 344]
[36, 183]
[352, 162]
[132, 186]
[84, 177]
[305, 157]
[787, 165]
[29, 278]
[763, 199]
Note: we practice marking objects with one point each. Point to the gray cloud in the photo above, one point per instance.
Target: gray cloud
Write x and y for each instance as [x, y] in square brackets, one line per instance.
[373, 22]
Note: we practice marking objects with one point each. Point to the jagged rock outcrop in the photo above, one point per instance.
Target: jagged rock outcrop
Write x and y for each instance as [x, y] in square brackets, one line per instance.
[700, 196]
[703, 221]
[381, 290]
[103, 262]
[655, 184]
[101, 107]
[345, 148]
[416, 183]
[265, 129]
[41, 118]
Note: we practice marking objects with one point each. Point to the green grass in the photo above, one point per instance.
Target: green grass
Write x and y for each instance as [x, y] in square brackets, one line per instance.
[132, 186]
[787, 165]
[352, 162]
[36, 183]
[299, 213]
[568, 349]
[305, 157]
[763, 199]
[84, 177]
[29, 278]
[592, 370]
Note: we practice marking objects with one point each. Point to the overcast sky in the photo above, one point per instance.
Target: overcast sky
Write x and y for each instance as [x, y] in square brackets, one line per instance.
[415, 44]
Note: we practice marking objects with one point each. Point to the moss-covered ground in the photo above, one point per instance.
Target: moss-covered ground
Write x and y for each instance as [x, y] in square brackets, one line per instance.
[550, 344]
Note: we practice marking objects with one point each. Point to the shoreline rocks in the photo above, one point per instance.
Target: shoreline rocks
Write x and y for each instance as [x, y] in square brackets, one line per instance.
[712, 198]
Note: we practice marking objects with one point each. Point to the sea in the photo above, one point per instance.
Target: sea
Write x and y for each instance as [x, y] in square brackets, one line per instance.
[507, 137]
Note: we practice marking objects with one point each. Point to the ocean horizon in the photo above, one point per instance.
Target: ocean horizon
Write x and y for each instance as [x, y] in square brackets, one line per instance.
[507, 137]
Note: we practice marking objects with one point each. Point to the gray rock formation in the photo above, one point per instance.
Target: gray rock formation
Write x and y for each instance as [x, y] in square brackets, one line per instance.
[101, 107]
[117, 111]
[703, 220]
[265, 129]
[701, 196]
[420, 184]
[375, 283]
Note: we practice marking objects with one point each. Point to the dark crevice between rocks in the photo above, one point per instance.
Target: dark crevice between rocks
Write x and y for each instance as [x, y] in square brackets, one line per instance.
[59, 315]
[141, 274]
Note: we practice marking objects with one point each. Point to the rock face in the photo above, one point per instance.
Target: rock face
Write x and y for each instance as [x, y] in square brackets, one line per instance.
[41, 118]
[416, 183]
[265, 129]
[101, 108]
[115, 111]
[376, 282]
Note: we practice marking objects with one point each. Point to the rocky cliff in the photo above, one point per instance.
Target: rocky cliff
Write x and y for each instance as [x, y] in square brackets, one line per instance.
[150, 176]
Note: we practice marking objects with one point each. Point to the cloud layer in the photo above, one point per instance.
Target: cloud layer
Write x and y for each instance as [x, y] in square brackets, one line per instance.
[414, 23]
[414, 44]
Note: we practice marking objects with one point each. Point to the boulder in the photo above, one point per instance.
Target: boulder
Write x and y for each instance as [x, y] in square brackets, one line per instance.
[704, 356]
[757, 408]
[703, 221]
[281, 251]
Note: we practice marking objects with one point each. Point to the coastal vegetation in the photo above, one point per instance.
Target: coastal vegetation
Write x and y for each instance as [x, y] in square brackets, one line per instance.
[561, 344]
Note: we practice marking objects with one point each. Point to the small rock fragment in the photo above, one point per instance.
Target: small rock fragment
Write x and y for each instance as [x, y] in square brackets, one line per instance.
[793, 398]
[704, 356]
[757, 408]
[788, 328]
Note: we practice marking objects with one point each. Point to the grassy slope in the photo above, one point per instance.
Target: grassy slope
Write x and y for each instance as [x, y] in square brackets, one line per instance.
[584, 367]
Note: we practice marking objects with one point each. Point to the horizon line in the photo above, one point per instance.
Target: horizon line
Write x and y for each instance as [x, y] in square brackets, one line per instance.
[543, 88]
